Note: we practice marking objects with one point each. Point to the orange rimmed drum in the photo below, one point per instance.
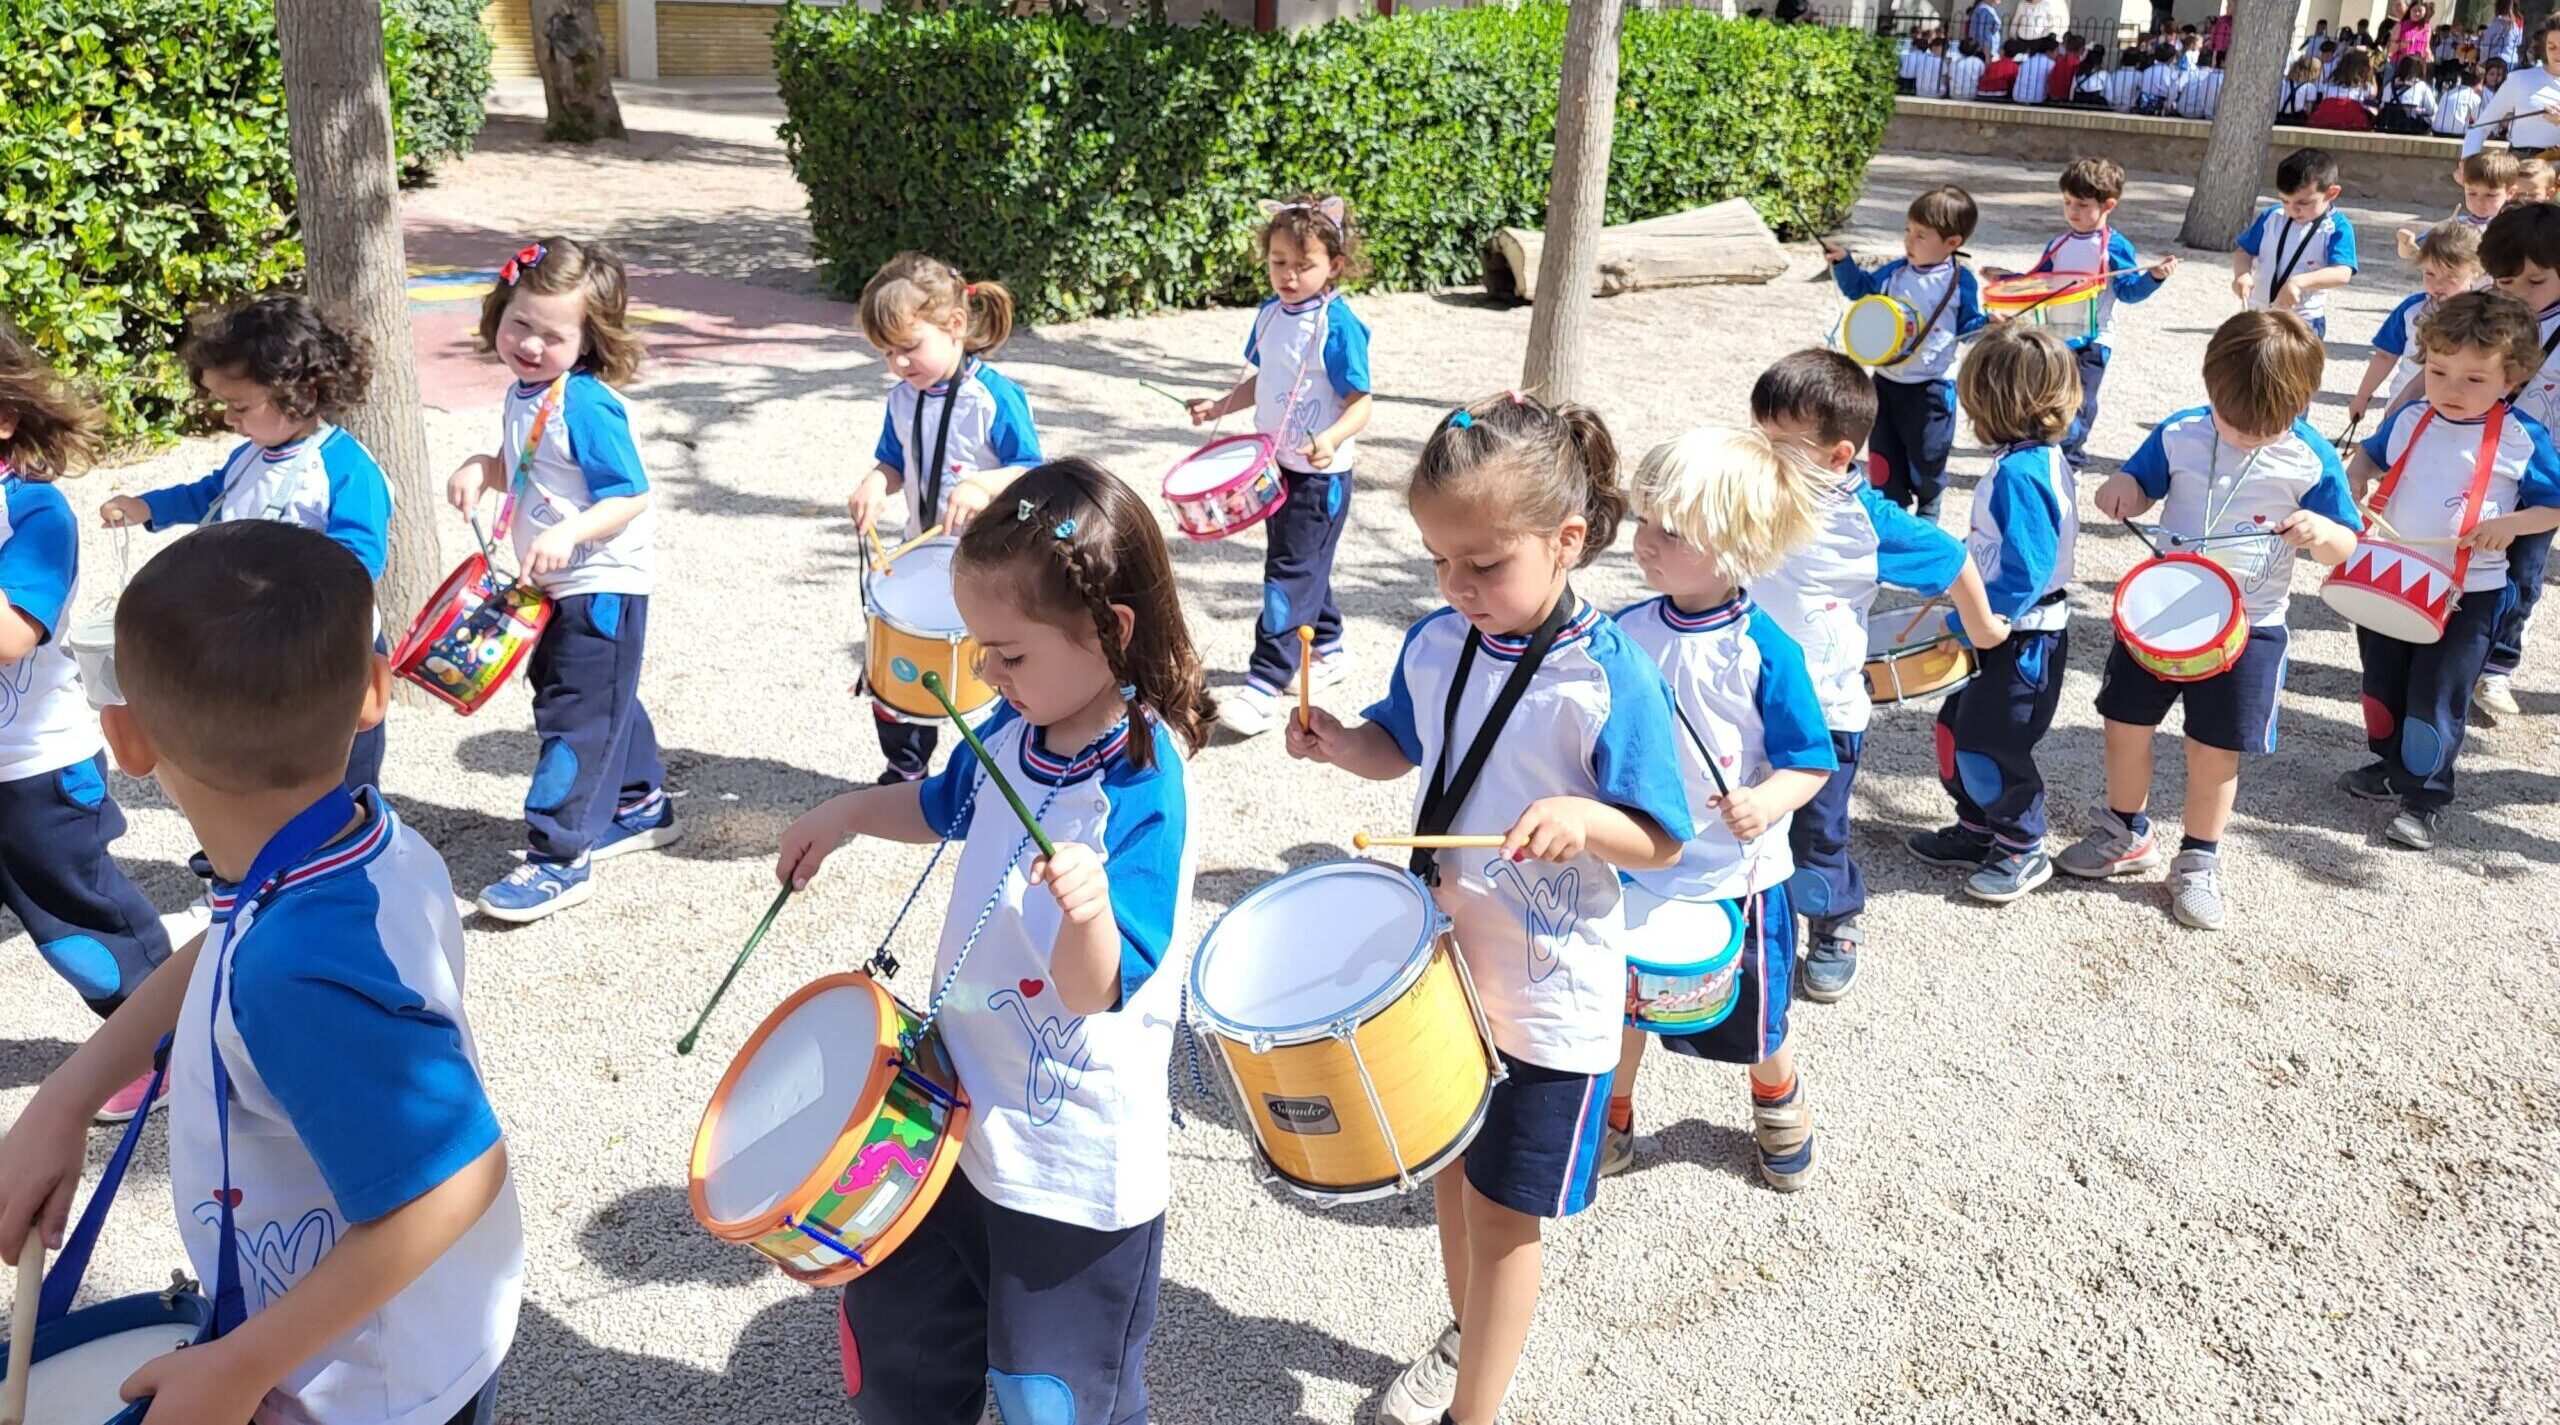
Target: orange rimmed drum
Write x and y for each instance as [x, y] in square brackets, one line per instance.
[823, 1146]
[2181, 617]
[1905, 665]
[1336, 999]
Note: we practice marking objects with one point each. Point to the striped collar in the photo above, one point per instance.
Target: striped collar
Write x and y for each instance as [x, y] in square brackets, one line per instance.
[1724, 615]
[1046, 767]
[279, 454]
[1510, 648]
[968, 368]
[1299, 309]
[347, 851]
[535, 392]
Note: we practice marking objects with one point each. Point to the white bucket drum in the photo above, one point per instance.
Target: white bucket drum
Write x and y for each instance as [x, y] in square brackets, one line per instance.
[92, 645]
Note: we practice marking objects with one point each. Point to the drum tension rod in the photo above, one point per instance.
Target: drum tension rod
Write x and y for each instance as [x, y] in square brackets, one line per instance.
[180, 1284]
[907, 1070]
[828, 1239]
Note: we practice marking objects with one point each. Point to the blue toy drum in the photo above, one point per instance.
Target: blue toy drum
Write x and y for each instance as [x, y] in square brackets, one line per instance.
[83, 1359]
[1687, 976]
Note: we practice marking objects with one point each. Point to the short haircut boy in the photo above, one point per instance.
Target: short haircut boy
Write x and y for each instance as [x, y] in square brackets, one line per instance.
[2099, 180]
[2485, 321]
[2261, 370]
[295, 595]
[1946, 210]
[2534, 172]
[2307, 170]
[2490, 168]
[1820, 388]
[2020, 385]
[2529, 232]
[2451, 245]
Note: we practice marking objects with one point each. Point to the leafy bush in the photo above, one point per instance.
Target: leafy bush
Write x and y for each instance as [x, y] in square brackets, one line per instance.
[1097, 169]
[144, 173]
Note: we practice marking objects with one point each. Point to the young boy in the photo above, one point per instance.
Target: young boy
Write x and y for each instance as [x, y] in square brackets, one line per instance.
[2035, 74]
[2091, 188]
[1915, 397]
[2487, 180]
[2448, 259]
[2124, 86]
[2247, 462]
[327, 1122]
[2521, 253]
[2000, 75]
[1964, 72]
[2300, 248]
[1821, 596]
[2533, 180]
[2464, 476]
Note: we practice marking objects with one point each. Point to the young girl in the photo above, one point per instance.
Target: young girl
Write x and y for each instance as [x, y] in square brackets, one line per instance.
[1578, 773]
[1719, 507]
[282, 372]
[955, 434]
[1316, 352]
[577, 508]
[1034, 1275]
[2448, 258]
[57, 816]
[2019, 388]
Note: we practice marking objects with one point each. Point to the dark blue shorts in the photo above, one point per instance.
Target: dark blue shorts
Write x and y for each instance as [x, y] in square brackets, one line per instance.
[1539, 1150]
[1757, 1028]
[2234, 710]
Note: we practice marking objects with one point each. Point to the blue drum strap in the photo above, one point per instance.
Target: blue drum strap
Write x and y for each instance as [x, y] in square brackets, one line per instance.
[63, 1282]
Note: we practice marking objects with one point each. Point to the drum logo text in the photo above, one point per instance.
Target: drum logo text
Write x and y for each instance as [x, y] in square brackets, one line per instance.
[1309, 1116]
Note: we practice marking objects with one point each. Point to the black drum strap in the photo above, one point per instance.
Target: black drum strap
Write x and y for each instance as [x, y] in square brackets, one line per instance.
[1447, 793]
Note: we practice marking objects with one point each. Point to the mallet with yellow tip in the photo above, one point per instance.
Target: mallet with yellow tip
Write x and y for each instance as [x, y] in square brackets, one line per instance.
[1362, 841]
[1306, 672]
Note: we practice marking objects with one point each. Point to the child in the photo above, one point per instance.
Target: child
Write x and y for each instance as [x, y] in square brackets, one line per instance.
[2200, 95]
[1820, 595]
[2091, 188]
[933, 331]
[2533, 180]
[341, 1184]
[2000, 75]
[2408, 101]
[1915, 397]
[2301, 91]
[2035, 74]
[2019, 387]
[2448, 259]
[1964, 75]
[2459, 101]
[1307, 330]
[2486, 180]
[2300, 248]
[1510, 497]
[581, 528]
[2247, 462]
[2066, 69]
[283, 372]
[2089, 85]
[1929, 77]
[1034, 1275]
[2439, 483]
[2161, 82]
[57, 814]
[1718, 507]
[2521, 252]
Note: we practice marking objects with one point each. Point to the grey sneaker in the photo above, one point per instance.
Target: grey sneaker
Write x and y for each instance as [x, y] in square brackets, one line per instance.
[1422, 1394]
[1617, 1151]
[2369, 783]
[2494, 695]
[2415, 828]
[2111, 848]
[2004, 880]
[2195, 890]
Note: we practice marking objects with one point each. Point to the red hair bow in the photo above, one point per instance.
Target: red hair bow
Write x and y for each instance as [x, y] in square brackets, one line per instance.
[526, 259]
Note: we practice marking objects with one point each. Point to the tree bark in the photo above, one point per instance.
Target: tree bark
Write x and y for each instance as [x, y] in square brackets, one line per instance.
[2235, 154]
[577, 72]
[347, 196]
[1577, 192]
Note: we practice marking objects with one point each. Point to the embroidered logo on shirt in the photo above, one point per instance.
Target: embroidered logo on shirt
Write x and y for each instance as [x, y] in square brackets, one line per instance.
[1059, 1053]
[271, 1258]
[1553, 907]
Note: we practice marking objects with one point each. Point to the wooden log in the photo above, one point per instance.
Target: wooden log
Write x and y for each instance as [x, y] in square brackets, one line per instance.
[1722, 243]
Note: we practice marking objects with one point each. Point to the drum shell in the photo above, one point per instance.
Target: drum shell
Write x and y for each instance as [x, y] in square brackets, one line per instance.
[1238, 504]
[1709, 986]
[888, 645]
[2184, 665]
[92, 645]
[2355, 592]
[1917, 671]
[459, 648]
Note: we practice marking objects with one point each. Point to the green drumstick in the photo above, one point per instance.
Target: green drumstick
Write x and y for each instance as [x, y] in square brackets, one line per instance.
[1168, 395]
[933, 685]
[685, 1045]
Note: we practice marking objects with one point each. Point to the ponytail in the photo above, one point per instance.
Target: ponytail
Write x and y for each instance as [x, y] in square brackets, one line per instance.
[1604, 502]
[1527, 466]
[990, 309]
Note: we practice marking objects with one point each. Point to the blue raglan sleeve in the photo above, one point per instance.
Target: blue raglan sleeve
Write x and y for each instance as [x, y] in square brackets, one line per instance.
[1253, 334]
[1855, 281]
[1346, 350]
[41, 558]
[2538, 487]
[1635, 758]
[2044, 260]
[1015, 441]
[1911, 553]
[2254, 236]
[944, 796]
[1395, 711]
[1970, 317]
[2132, 286]
[2030, 539]
[600, 439]
[2329, 495]
[2342, 243]
[1792, 730]
[359, 502]
[1149, 825]
[191, 502]
[2393, 335]
[2149, 464]
[889, 450]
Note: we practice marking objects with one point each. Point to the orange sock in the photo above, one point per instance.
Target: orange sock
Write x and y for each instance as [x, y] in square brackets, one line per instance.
[1622, 1114]
[1773, 1093]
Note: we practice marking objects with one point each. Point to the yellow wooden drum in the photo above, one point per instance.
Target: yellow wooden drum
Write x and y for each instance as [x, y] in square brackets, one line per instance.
[915, 629]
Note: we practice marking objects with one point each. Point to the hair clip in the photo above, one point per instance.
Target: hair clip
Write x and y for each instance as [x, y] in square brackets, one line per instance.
[527, 258]
[968, 290]
[1128, 692]
[1022, 511]
[1516, 398]
[1329, 209]
[1065, 529]
[1461, 419]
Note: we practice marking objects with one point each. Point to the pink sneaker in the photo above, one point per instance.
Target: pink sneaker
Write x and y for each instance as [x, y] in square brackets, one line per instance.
[128, 1101]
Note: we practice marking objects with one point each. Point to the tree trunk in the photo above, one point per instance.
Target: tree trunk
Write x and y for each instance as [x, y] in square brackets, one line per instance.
[577, 72]
[2235, 155]
[338, 116]
[1586, 118]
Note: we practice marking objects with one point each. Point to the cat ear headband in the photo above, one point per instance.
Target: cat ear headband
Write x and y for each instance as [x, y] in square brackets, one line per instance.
[1329, 209]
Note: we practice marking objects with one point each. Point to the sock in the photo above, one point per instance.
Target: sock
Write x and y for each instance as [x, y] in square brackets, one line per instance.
[1622, 1114]
[2138, 822]
[2198, 843]
[1771, 1095]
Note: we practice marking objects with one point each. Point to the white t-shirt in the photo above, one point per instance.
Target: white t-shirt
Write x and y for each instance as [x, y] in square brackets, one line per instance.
[1309, 361]
[2434, 491]
[2286, 249]
[2187, 466]
[325, 481]
[2456, 110]
[2540, 397]
[45, 720]
[1820, 594]
[2526, 95]
[991, 429]
[587, 454]
[1541, 940]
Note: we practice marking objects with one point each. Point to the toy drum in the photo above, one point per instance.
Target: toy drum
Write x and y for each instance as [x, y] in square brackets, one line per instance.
[1910, 668]
[92, 645]
[83, 1359]
[915, 629]
[1336, 999]
[1878, 330]
[823, 1146]
[1225, 486]
[470, 636]
[2392, 590]
[2067, 299]
[2181, 617]
[1687, 993]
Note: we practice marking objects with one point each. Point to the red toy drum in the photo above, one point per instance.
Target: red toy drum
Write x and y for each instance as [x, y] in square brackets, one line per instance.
[2181, 616]
[471, 635]
[1226, 485]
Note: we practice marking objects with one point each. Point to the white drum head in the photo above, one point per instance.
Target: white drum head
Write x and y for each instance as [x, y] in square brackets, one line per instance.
[1212, 466]
[915, 592]
[1875, 330]
[79, 1386]
[1885, 631]
[92, 645]
[790, 1103]
[1312, 947]
[2176, 607]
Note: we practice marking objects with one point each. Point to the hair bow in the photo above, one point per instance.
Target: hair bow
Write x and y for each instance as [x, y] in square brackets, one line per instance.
[527, 258]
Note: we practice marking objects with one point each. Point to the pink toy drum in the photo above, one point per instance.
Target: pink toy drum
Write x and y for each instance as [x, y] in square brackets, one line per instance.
[469, 638]
[2393, 590]
[2180, 616]
[1225, 486]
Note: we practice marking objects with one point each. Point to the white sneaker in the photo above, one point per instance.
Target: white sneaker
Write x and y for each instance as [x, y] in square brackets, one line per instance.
[1422, 1394]
[1332, 668]
[1249, 711]
[2495, 695]
[1617, 1151]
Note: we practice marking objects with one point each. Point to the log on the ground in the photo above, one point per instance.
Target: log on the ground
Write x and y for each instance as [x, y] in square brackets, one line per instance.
[1725, 242]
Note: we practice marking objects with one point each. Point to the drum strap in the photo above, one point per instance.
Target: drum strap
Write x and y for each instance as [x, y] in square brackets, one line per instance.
[2485, 466]
[929, 490]
[62, 1284]
[1920, 338]
[1446, 794]
[522, 478]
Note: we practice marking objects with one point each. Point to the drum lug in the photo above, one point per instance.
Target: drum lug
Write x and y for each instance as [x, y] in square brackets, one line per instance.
[1262, 1043]
[180, 1284]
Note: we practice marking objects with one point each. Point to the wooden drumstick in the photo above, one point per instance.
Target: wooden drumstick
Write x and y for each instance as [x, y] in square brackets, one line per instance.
[879, 551]
[22, 1328]
[1306, 672]
[1917, 617]
[685, 1045]
[895, 554]
[1362, 841]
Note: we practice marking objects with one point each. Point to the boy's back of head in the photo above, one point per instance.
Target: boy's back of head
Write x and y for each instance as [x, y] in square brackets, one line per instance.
[2521, 233]
[2261, 370]
[245, 652]
[1821, 389]
[2307, 168]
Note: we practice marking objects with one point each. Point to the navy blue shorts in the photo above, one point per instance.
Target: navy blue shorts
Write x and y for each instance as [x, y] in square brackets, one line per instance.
[1539, 1150]
[2234, 709]
[1757, 1028]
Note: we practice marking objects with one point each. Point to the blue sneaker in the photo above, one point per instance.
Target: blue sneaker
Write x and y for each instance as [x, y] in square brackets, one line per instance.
[2010, 877]
[536, 889]
[645, 825]
[1829, 964]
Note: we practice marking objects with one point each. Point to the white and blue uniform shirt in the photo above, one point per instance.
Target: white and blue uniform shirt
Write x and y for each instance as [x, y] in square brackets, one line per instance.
[2199, 477]
[1542, 941]
[325, 481]
[1964, 77]
[2090, 253]
[2286, 249]
[1310, 359]
[355, 1089]
[1820, 594]
[2026, 536]
[45, 721]
[1741, 685]
[1069, 1113]
[2124, 89]
[1923, 290]
[2456, 110]
[2398, 335]
[2435, 490]
[2201, 94]
[991, 429]
[2035, 76]
[587, 454]
[2540, 397]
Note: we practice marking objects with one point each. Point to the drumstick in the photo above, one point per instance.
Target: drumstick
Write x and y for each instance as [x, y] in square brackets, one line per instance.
[933, 685]
[22, 1328]
[1306, 671]
[1168, 395]
[1915, 618]
[1362, 841]
[893, 555]
[685, 1045]
[879, 551]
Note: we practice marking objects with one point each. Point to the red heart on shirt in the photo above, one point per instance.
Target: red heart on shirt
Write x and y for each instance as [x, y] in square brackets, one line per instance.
[1031, 988]
[230, 1197]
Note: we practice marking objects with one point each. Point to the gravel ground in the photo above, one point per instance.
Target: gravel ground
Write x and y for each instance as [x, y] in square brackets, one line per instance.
[2076, 1163]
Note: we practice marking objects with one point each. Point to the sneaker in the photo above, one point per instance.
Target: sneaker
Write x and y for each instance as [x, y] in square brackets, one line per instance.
[1950, 846]
[1249, 711]
[2111, 848]
[1332, 668]
[2195, 890]
[1783, 1132]
[1422, 1394]
[2494, 695]
[1617, 1150]
[536, 889]
[646, 827]
[891, 777]
[2370, 783]
[1829, 964]
[2415, 828]
[128, 1101]
[2004, 880]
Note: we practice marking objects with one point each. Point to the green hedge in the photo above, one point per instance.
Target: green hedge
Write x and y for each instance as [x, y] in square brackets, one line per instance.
[144, 172]
[1097, 169]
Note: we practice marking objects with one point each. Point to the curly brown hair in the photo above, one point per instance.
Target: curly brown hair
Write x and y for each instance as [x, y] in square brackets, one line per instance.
[311, 366]
[56, 427]
[608, 351]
